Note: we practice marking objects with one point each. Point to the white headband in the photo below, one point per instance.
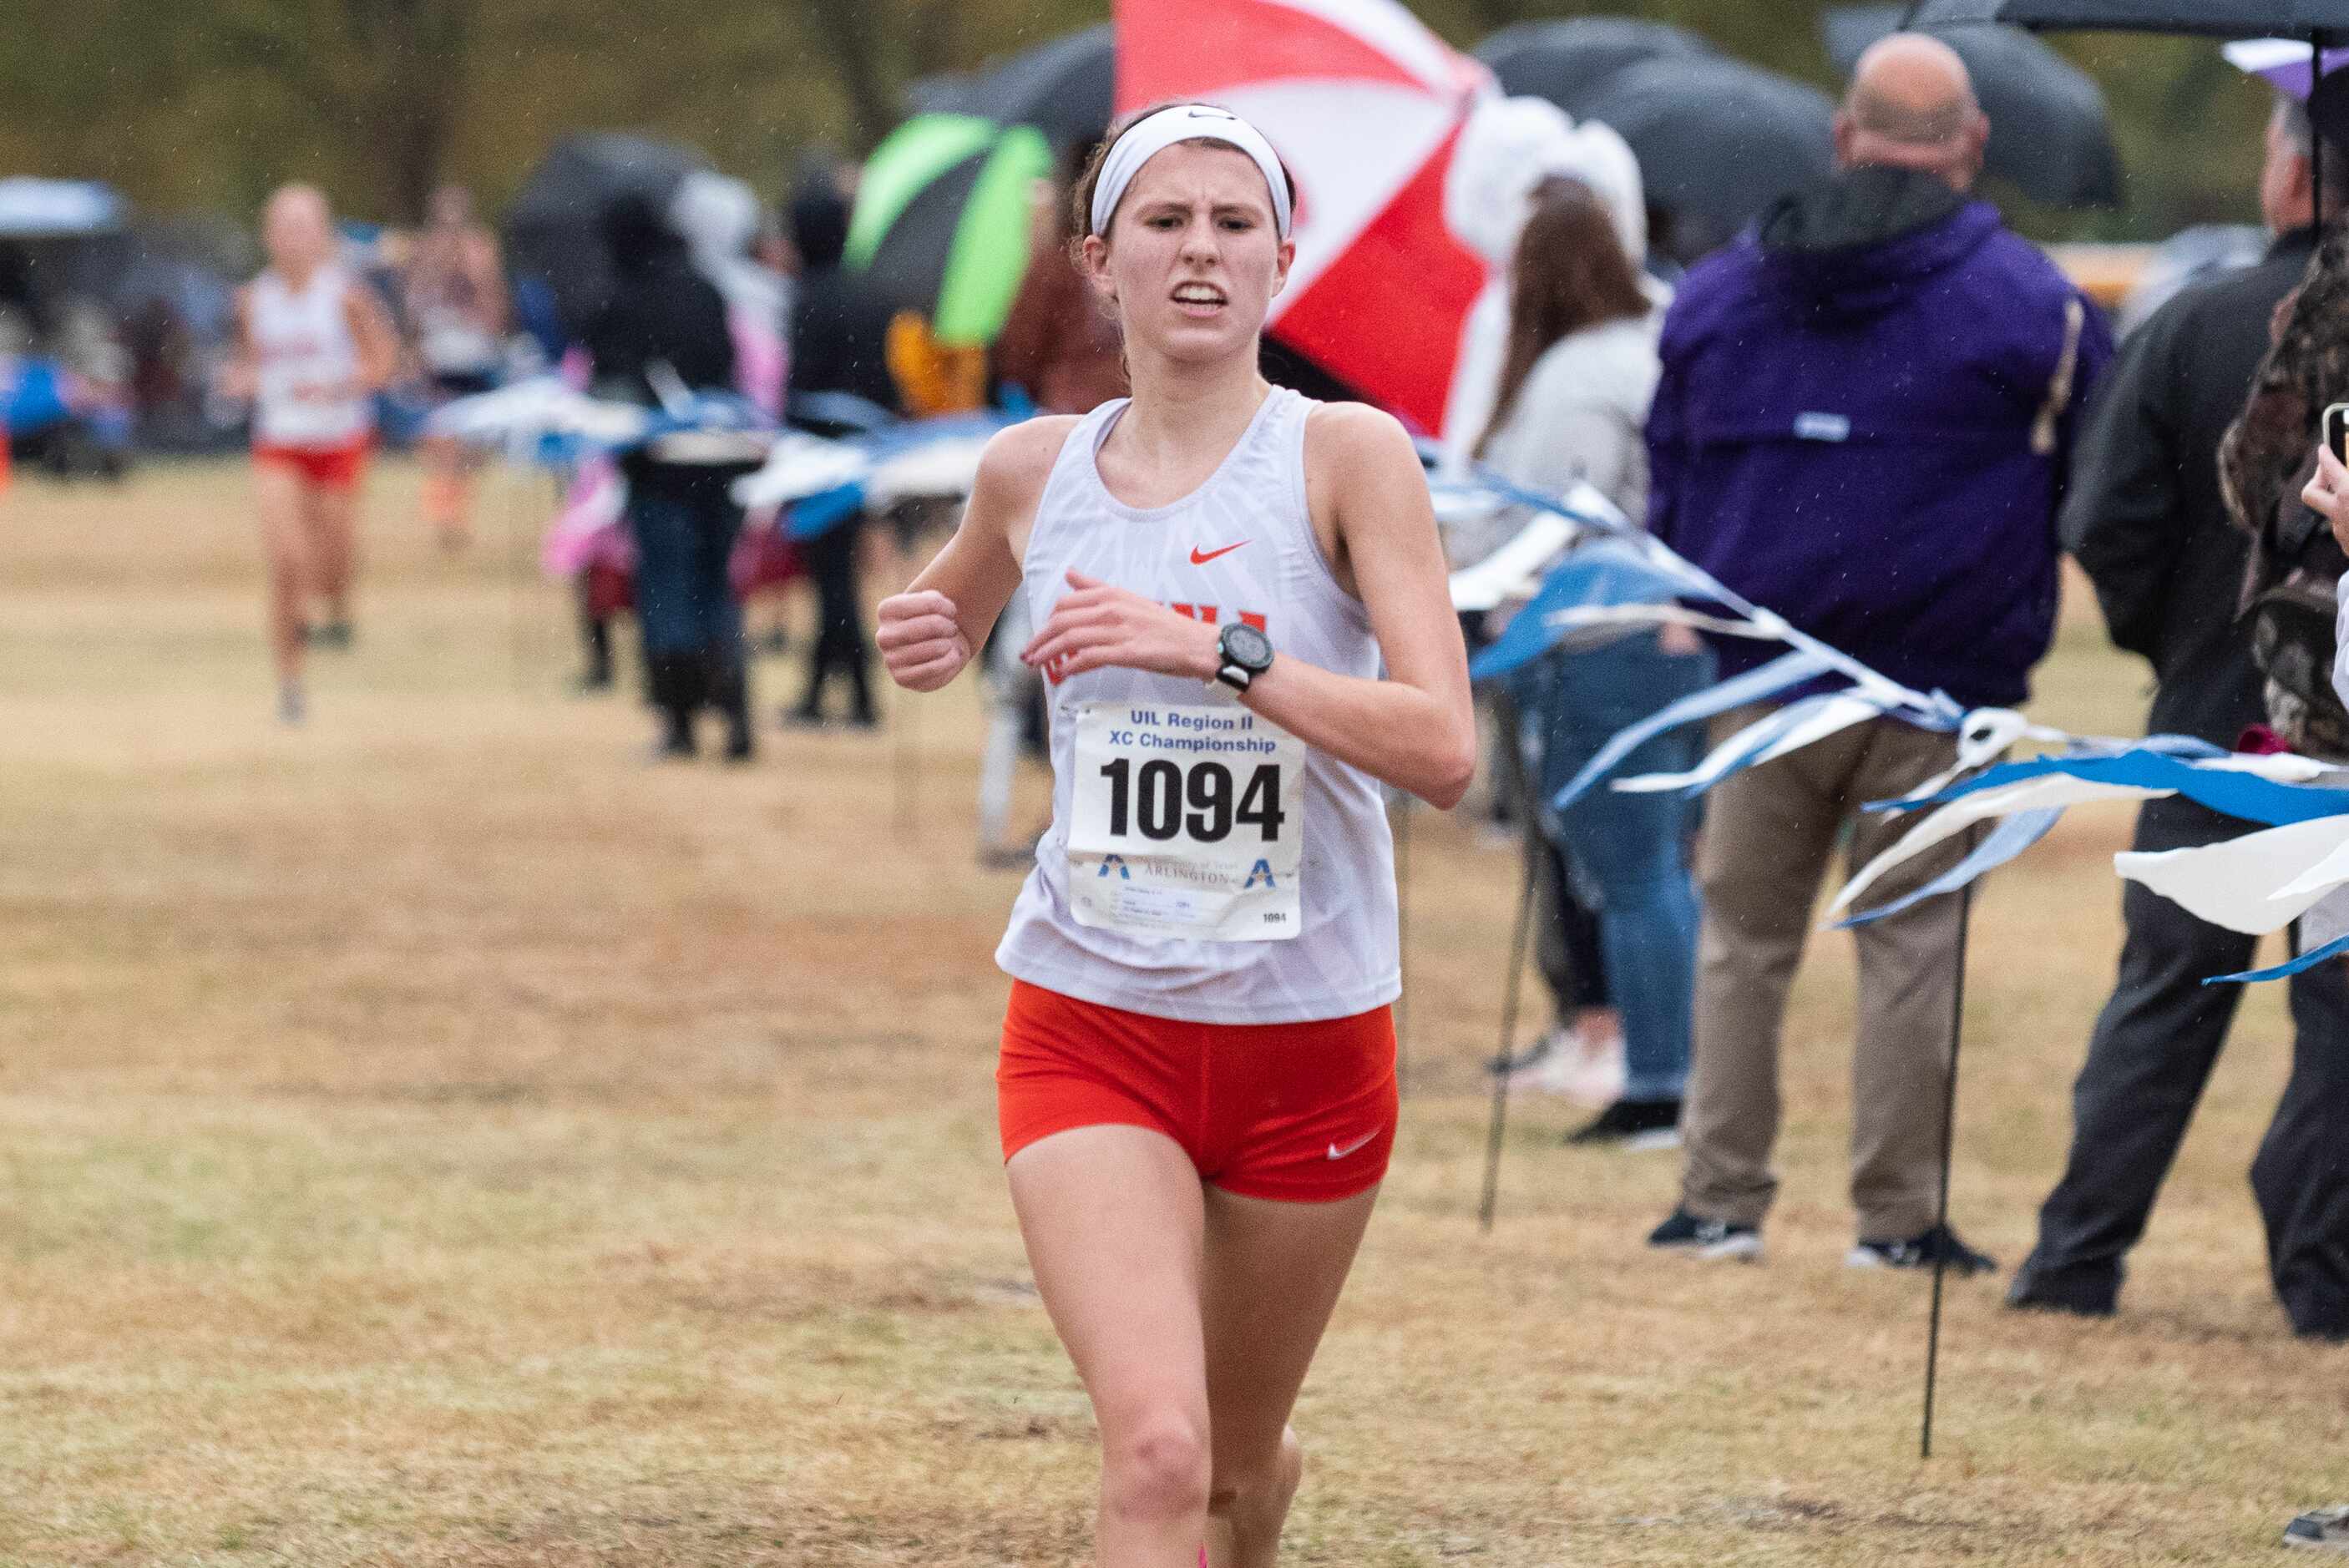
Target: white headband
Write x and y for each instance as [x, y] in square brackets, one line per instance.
[1146, 138]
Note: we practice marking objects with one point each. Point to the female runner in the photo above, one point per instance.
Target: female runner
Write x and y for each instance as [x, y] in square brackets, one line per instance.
[313, 344]
[1197, 1087]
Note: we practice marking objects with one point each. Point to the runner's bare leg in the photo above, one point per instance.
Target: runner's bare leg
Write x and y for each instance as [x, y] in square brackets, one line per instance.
[448, 491]
[277, 497]
[332, 513]
[1113, 1218]
[1273, 1273]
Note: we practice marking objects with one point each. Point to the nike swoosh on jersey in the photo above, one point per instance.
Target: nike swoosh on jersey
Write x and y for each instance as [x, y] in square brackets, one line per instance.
[1201, 557]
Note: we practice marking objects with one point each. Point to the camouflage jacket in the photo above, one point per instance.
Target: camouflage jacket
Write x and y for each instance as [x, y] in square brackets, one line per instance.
[2266, 460]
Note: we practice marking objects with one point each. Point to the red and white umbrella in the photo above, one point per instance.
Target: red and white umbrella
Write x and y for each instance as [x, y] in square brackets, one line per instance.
[1366, 106]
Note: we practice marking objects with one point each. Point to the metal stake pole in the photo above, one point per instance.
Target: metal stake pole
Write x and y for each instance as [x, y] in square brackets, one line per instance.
[1517, 943]
[1408, 808]
[1948, 1145]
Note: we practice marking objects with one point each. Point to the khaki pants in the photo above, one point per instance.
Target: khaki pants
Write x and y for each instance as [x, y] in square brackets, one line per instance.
[1769, 834]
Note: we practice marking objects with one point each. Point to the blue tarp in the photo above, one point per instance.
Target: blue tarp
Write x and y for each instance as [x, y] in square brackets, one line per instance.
[32, 397]
[33, 209]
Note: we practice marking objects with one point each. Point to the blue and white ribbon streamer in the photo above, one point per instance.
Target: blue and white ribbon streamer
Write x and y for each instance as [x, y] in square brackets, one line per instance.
[2000, 845]
[545, 420]
[2300, 965]
[2267, 790]
[2055, 792]
[824, 481]
[1787, 729]
[1781, 674]
[2261, 882]
[827, 482]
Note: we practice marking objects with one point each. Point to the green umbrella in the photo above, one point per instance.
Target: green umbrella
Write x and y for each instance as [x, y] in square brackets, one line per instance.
[942, 220]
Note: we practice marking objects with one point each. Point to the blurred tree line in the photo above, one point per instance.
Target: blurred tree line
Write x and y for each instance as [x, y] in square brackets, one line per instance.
[205, 104]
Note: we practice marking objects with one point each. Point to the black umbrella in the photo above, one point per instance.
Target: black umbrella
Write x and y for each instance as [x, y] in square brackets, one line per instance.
[1065, 88]
[2208, 18]
[2048, 128]
[1718, 140]
[2321, 22]
[554, 229]
[1569, 61]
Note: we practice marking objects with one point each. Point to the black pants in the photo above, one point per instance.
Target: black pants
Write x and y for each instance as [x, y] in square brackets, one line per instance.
[1566, 948]
[2152, 1053]
[840, 648]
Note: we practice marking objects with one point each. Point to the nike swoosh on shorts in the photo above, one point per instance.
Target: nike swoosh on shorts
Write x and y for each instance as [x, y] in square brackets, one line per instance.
[1337, 1153]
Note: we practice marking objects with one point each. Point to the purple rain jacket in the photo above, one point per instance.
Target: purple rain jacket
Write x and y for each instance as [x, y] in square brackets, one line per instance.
[1863, 424]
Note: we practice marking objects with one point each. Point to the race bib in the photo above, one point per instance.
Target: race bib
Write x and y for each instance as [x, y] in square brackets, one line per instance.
[1187, 822]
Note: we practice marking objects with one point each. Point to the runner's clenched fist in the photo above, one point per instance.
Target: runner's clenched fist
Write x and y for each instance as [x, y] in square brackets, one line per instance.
[921, 640]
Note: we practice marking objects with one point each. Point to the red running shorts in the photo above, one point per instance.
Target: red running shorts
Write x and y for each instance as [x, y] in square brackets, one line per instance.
[326, 467]
[1299, 1113]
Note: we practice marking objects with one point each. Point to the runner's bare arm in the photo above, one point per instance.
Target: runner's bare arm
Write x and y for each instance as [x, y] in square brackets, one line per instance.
[240, 375]
[927, 633]
[372, 333]
[489, 272]
[1414, 729]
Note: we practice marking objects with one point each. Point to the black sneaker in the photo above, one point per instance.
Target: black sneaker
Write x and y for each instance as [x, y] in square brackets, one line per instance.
[335, 635]
[1921, 1252]
[1715, 1241]
[2324, 1530]
[1633, 1125]
[2082, 1292]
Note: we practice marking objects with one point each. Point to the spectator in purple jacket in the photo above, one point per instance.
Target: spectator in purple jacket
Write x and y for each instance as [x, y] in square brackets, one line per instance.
[1862, 424]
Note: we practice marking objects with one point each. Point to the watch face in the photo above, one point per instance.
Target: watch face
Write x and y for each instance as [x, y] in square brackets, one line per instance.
[1248, 647]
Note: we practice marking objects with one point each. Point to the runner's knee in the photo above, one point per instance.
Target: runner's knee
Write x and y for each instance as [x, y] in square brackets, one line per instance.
[1158, 1469]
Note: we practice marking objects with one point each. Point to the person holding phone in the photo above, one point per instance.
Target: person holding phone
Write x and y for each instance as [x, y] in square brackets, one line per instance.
[2327, 495]
[2148, 520]
[2327, 490]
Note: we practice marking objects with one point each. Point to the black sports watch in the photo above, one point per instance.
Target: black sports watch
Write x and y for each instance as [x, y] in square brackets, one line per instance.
[1246, 653]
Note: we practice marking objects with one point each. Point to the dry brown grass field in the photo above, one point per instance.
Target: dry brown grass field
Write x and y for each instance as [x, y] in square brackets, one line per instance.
[437, 1136]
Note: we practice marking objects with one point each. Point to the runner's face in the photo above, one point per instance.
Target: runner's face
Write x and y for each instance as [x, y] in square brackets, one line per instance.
[1197, 259]
[295, 231]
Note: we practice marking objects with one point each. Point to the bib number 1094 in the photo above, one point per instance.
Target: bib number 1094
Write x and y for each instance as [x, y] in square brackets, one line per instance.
[1163, 799]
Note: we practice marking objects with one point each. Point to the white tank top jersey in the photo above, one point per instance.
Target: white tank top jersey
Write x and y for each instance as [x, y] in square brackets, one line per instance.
[1240, 547]
[304, 340]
